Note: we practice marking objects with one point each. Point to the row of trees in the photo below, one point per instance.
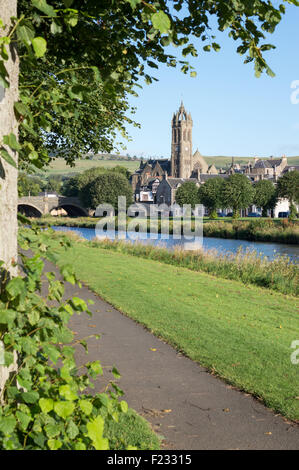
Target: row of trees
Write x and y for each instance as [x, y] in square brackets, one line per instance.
[100, 186]
[237, 193]
[32, 185]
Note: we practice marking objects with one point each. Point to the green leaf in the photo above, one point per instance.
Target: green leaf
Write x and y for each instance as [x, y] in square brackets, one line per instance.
[71, 19]
[55, 28]
[86, 406]
[5, 155]
[64, 408]
[24, 419]
[94, 368]
[68, 274]
[161, 21]
[7, 316]
[11, 141]
[7, 424]
[124, 406]
[30, 397]
[52, 430]
[3, 75]
[25, 34]
[78, 304]
[8, 358]
[134, 3]
[72, 430]
[116, 373]
[52, 352]
[43, 6]
[21, 109]
[16, 288]
[66, 392]
[54, 444]
[40, 46]
[80, 446]
[46, 405]
[95, 430]
[68, 3]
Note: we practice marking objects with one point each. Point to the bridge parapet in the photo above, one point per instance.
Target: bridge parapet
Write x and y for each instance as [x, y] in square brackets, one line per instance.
[46, 203]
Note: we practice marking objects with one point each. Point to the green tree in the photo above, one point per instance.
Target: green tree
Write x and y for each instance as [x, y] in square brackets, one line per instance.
[73, 186]
[89, 55]
[264, 195]
[105, 189]
[288, 187]
[187, 193]
[28, 185]
[54, 184]
[238, 193]
[210, 195]
[70, 186]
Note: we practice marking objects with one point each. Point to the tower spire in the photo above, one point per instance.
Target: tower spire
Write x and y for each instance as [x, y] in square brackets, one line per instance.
[181, 145]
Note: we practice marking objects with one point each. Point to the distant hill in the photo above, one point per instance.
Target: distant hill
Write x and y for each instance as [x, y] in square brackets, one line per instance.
[223, 162]
[59, 166]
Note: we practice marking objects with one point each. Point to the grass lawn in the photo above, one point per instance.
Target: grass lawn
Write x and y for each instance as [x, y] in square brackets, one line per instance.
[131, 430]
[241, 333]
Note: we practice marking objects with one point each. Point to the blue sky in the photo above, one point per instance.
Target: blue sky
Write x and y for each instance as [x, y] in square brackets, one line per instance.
[233, 112]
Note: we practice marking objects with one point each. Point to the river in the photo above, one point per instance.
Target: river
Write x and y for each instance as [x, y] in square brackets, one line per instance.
[271, 250]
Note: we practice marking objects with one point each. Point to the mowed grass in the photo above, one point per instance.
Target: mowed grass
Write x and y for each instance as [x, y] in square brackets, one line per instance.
[131, 430]
[241, 333]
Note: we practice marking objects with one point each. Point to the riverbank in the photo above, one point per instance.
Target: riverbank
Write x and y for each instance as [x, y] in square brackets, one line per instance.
[262, 230]
[240, 332]
[248, 267]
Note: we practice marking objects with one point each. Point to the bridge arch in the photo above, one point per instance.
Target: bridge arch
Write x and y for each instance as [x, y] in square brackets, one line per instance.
[73, 210]
[29, 210]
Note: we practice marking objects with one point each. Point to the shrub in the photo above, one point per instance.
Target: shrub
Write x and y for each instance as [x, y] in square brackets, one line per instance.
[44, 402]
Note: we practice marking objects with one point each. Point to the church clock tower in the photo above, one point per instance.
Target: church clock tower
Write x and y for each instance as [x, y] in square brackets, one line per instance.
[181, 144]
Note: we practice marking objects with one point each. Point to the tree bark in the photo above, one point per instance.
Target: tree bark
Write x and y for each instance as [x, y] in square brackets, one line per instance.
[8, 174]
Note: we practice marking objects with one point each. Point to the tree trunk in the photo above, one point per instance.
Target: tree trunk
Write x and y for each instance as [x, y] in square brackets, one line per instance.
[8, 174]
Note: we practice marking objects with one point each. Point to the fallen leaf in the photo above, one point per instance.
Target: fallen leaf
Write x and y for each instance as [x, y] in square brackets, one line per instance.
[153, 349]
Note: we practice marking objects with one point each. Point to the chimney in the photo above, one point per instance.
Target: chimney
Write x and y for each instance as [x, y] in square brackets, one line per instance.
[165, 176]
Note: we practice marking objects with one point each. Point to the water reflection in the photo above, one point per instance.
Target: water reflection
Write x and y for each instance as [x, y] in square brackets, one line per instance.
[220, 244]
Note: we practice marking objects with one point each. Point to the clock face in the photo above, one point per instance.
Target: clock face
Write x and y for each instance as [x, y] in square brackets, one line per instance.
[186, 148]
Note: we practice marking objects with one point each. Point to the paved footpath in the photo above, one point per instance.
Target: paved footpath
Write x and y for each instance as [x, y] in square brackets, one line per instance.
[191, 408]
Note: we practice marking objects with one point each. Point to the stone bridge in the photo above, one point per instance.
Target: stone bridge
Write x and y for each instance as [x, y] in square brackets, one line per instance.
[36, 206]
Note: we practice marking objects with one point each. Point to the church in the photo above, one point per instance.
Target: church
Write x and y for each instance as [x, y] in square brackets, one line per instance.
[154, 176]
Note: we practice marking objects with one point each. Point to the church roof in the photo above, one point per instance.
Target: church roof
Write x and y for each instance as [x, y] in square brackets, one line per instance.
[205, 177]
[197, 154]
[174, 183]
[263, 164]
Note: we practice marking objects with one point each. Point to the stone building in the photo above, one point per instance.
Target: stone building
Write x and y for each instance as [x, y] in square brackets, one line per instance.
[183, 165]
[271, 168]
[168, 187]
